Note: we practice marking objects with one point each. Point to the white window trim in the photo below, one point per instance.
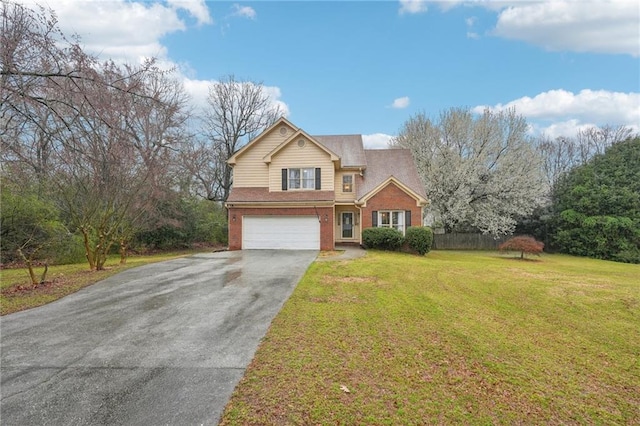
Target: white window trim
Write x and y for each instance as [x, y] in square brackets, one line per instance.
[350, 184]
[400, 225]
[300, 179]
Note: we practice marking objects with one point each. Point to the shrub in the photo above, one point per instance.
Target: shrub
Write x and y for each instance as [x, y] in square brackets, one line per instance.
[523, 244]
[68, 250]
[382, 238]
[631, 255]
[419, 239]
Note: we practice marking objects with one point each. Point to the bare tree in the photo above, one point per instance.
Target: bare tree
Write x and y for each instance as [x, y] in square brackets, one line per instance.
[566, 152]
[236, 112]
[41, 68]
[558, 157]
[114, 162]
[102, 135]
[595, 140]
[479, 172]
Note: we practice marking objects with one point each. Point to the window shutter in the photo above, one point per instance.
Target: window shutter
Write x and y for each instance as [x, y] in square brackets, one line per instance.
[407, 218]
[318, 177]
[374, 219]
[284, 179]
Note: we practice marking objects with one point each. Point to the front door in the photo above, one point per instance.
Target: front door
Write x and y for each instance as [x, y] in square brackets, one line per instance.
[347, 224]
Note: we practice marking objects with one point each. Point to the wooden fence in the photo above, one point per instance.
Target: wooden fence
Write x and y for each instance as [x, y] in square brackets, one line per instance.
[466, 242]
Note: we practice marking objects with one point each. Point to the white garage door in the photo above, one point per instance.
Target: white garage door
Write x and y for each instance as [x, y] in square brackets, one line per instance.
[281, 232]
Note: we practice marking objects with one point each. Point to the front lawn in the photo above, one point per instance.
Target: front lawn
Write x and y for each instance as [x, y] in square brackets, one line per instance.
[452, 337]
[17, 293]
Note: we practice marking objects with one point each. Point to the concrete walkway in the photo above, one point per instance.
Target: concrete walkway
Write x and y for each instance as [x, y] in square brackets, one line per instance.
[349, 252]
[162, 344]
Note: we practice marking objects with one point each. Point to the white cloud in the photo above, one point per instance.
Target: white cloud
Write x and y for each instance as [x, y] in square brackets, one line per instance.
[132, 31]
[400, 103]
[244, 11]
[275, 94]
[562, 128]
[582, 26]
[197, 8]
[199, 90]
[558, 111]
[124, 30]
[470, 24]
[412, 6]
[376, 141]
[597, 26]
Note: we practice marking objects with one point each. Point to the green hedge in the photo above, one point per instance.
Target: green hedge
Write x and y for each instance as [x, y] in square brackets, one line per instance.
[382, 238]
[419, 239]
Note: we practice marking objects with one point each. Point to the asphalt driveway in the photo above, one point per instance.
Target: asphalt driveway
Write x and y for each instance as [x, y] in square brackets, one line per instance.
[163, 344]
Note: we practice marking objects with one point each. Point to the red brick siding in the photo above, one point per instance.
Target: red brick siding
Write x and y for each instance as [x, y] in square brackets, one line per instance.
[391, 198]
[326, 227]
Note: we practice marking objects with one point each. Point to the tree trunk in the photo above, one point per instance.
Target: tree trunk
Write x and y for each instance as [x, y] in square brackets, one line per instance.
[101, 257]
[123, 251]
[29, 264]
[102, 251]
[43, 277]
[87, 248]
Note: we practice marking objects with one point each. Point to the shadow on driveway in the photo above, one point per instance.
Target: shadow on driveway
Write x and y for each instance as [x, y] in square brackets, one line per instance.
[161, 344]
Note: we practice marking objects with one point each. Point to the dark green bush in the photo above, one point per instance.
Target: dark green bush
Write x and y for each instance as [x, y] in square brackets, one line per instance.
[68, 250]
[419, 239]
[382, 238]
[596, 206]
[631, 255]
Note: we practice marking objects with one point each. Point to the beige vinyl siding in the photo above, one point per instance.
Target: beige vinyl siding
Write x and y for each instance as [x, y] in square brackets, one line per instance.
[250, 169]
[344, 196]
[292, 156]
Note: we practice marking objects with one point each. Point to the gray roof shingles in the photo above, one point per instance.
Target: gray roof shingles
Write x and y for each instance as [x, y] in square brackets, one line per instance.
[377, 164]
[383, 163]
[348, 147]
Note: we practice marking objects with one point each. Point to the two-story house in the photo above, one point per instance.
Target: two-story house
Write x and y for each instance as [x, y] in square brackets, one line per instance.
[296, 191]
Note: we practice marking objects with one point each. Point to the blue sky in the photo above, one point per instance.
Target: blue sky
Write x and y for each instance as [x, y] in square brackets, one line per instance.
[367, 66]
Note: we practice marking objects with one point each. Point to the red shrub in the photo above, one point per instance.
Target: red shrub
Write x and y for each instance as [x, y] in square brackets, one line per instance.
[523, 244]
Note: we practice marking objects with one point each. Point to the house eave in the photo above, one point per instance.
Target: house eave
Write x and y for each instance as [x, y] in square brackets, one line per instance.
[420, 201]
[334, 157]
[278, 204]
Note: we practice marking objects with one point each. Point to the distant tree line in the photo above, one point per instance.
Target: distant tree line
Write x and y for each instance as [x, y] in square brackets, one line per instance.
[486, 173]
[104, 157]
[100, 157]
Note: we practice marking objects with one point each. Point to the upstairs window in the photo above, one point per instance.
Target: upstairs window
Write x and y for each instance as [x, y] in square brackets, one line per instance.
[347, 183]
[300, 178]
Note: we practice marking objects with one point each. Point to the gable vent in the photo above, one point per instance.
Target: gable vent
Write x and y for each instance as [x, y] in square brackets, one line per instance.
[284, 130]
[301, 143]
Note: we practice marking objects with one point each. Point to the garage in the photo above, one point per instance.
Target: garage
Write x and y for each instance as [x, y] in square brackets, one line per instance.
[281, 232]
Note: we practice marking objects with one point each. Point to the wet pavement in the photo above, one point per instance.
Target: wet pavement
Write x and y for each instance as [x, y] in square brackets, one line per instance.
[160, 344]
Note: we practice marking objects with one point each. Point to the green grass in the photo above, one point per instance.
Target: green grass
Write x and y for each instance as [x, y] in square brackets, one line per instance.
[16, 294]
[454, 338]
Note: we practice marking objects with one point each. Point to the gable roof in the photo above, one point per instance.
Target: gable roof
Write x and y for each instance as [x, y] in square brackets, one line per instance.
[348, 147]
[297, 134]
[384, 164]
[280, 121]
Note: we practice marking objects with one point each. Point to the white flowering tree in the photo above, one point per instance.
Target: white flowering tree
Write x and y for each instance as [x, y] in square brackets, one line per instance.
[480, 172]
